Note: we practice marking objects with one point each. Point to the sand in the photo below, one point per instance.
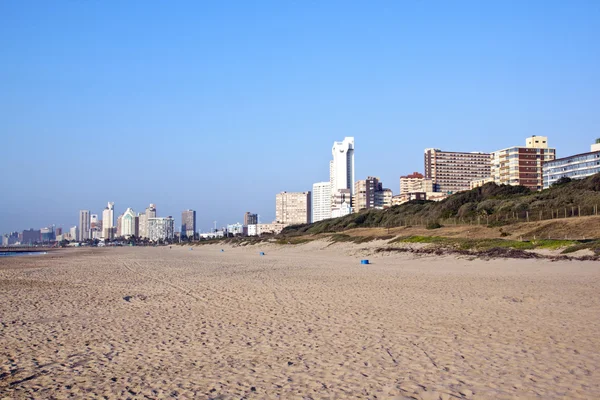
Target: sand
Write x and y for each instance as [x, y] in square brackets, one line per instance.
[305, 322]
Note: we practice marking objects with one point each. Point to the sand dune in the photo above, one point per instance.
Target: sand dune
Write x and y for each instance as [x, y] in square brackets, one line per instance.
[305, 322]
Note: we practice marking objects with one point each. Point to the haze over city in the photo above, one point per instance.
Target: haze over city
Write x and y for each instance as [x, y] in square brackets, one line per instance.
[219, 107]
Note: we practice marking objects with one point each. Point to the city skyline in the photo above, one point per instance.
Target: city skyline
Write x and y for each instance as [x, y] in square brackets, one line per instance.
[142, 120]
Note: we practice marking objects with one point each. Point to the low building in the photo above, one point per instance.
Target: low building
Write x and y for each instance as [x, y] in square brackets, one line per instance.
[236, 229]
[577, 166]
[273, 228]
[415, 182]
[161, 228]
[341, 210]
[212, 235]
[480, 182]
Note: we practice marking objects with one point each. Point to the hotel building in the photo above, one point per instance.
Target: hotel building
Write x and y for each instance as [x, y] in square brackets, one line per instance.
[452, 171]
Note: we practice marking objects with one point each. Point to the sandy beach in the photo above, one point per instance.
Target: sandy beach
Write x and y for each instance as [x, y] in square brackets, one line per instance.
[301, 322]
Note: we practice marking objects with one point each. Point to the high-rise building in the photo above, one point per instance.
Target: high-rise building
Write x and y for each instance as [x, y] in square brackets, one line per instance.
[128, 223]
[383, 198]
[142, 225]
[47, 234]
[188, 223]
[250, 219]
[453, 171]
[119, 229]
[84, 225]
[161, 228]
[58, 231]
[293, 208]
[321, 201]
[108, 221]
[341, 167]
[31, 236]
[414, 183]
[151, 211]
[74, 233]
[364, 193]
[577, 166]
[522, 165]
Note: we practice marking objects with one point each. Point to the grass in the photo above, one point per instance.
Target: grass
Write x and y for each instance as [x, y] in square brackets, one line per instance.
[342, 238]
[486, 244]
[593, 246]
[294, 240]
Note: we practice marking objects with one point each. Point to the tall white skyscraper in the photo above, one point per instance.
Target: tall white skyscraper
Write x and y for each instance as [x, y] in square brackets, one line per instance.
[321, 201]
[108, 221]
[341, 168]
[84, 225]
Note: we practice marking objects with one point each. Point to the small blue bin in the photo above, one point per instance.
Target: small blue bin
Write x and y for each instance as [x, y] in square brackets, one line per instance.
[364, 261]
[262, 253]
[222, 250]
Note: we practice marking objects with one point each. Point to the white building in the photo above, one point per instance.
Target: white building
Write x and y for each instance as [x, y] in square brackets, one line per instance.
[341, 168]
[212, 235]
[236, 229]
[84, 225]
[252, 230]
[108, 221]
[128, 223]
[74, 233]
[321, 201]
[341, 210]
[161, 228]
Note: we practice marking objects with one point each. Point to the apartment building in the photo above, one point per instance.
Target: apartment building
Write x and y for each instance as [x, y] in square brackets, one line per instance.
[577, 166]
[415, 182]
[522, 165]
[369, 193]
[161, 228]
[293, 207]
[452, 171]
[321, 201]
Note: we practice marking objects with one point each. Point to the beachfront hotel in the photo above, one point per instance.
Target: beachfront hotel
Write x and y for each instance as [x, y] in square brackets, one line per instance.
[452, 171]
[523, 166]
[293, 208]
[577, 166]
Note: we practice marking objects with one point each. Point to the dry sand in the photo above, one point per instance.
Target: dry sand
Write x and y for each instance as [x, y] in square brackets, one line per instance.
[306, 322]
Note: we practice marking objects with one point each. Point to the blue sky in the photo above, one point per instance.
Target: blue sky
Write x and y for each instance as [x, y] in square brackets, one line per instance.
[217, 106]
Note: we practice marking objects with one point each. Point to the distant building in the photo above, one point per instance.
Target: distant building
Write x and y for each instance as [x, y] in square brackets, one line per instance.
[31, 236]
[321, 201]
[452, 171]
[522, 165]
[480, 182]
[161, 228]
[577, 166]
[341, 167]
[250, 219]
[94, 221]
[84, 225]
[128, 227]
[108, 221]
[415, 182]
[212, 235]
[369, 193]
[142, 225]
[273, 228]
[119, 229]
[188, 223]
[58, 231]
[73, 233]
[236, 229]
[10, 239]
[47, 234]
[293, 208]
[251, 230]
[341, 203]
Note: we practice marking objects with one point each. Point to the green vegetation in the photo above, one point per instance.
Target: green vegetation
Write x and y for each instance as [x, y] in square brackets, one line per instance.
[591, 245]
[485, 244]
[490, 205]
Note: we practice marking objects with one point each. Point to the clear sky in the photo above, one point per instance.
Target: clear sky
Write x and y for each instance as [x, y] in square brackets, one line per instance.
[217, 106]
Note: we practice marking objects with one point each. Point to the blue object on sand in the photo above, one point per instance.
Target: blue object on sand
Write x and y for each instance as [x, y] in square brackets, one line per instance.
[262, 253]
[364, 261]
[191, 248]
[222, 250]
